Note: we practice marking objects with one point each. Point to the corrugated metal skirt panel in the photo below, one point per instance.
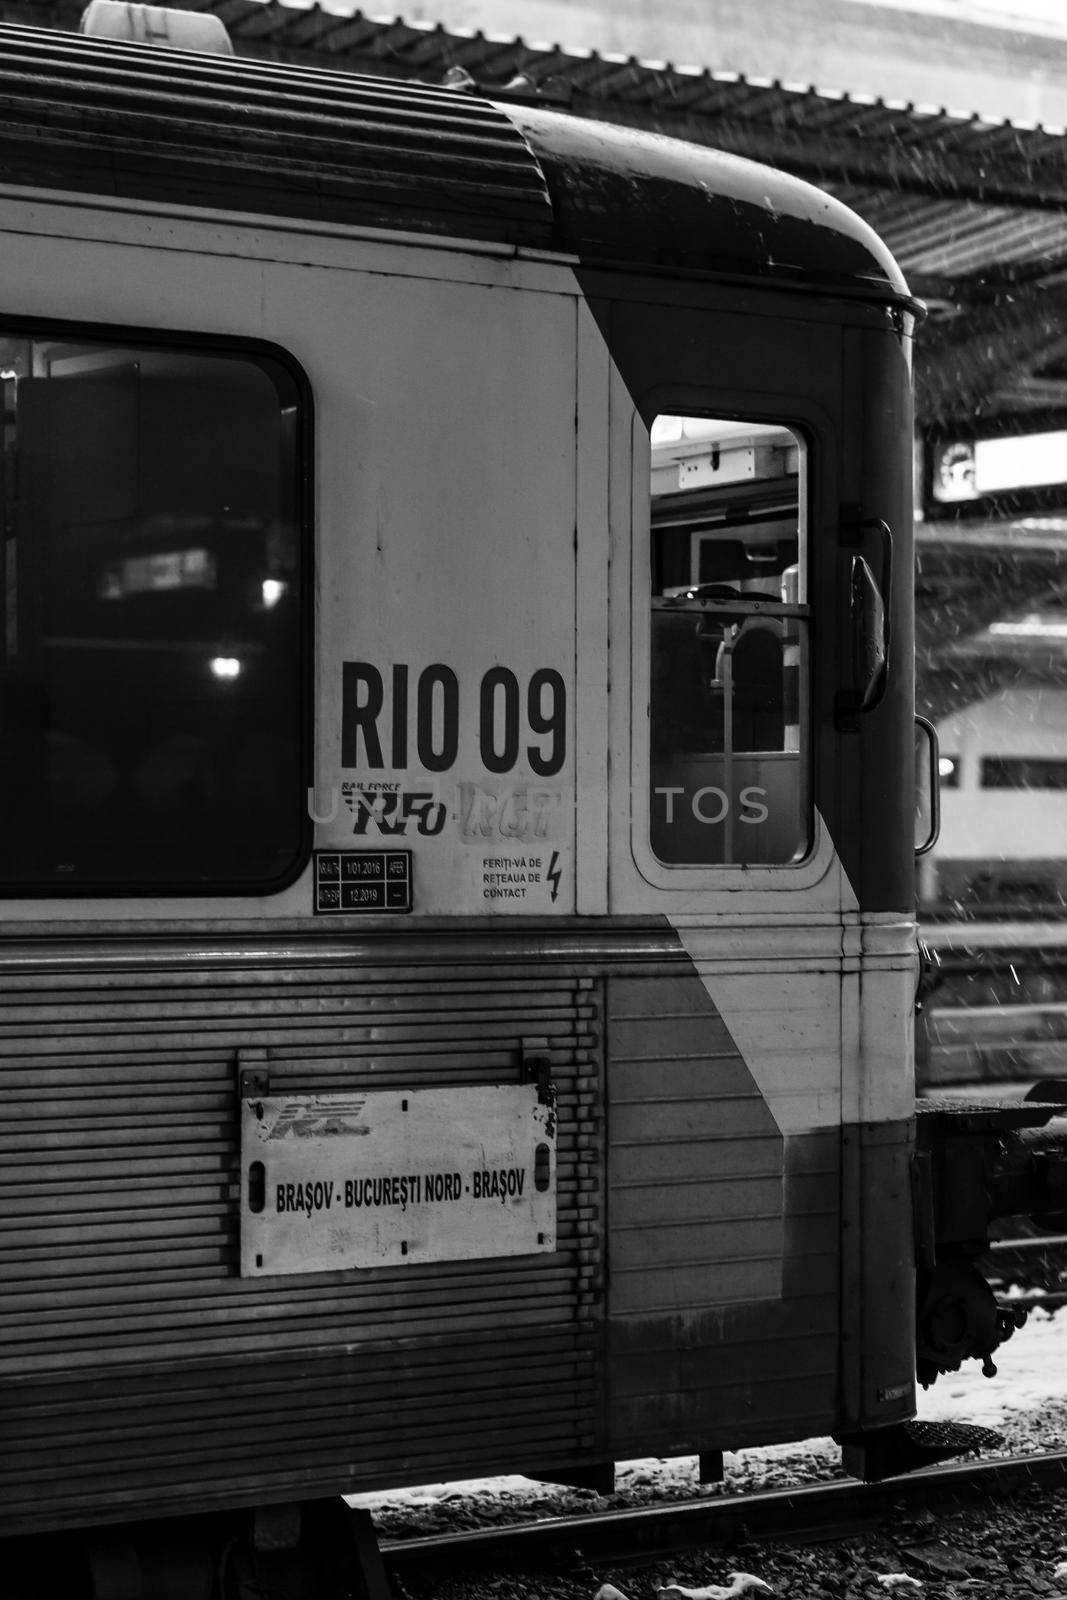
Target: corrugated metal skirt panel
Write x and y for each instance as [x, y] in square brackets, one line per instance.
[138, 1371]
[723, 1238]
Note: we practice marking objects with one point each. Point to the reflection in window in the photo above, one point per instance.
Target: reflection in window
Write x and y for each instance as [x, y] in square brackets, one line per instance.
[150, 670]
[728, 717]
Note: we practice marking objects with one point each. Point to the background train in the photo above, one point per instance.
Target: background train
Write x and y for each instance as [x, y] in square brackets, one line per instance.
[991, 896]
[1003, 806]
[458, 927]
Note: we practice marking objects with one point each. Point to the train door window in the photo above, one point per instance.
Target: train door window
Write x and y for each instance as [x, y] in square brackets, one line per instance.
[729, 773]
[151, 660]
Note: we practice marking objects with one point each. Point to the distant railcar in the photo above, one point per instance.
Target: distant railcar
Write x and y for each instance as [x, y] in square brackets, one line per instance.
[1003, 845]
[992, 891]
[458, 937]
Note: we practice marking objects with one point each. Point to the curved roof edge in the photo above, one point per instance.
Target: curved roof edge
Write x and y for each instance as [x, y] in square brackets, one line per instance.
[621, 195]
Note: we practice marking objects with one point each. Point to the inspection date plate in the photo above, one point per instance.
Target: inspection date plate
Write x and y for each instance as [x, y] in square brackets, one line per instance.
[348, 881]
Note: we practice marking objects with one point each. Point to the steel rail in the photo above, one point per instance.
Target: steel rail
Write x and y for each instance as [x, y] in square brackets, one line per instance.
[811, 1513]
[1029, 1241]
[1007, 1260]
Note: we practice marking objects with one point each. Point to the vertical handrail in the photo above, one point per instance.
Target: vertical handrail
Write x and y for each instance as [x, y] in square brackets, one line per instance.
[926, 726]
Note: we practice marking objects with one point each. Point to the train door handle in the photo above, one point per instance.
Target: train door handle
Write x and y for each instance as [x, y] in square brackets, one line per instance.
[926, 729]
[869, 597]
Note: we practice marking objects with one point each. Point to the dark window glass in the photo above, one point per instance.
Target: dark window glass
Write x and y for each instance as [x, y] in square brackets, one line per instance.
[150, 693]
[729, 673]
[1024, 772]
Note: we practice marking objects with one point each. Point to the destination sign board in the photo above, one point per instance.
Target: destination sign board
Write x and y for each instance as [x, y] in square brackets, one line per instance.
[345, 1180]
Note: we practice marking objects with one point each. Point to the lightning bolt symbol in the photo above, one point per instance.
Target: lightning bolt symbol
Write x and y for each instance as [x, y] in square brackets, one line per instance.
[553, 874]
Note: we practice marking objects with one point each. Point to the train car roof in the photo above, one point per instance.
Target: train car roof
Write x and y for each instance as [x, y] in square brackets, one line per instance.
[139, 121]
[626, 195]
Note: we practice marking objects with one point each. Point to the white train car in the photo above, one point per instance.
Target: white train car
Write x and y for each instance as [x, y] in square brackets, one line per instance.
[1003, 844]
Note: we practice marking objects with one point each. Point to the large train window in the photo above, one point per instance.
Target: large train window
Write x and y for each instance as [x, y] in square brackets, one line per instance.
[151, 670]
[729, 649]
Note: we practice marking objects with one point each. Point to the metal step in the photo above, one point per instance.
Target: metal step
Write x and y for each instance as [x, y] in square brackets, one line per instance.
[907, 1446]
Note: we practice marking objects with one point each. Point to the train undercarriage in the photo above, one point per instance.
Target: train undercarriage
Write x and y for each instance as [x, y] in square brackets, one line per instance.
[976, 1163]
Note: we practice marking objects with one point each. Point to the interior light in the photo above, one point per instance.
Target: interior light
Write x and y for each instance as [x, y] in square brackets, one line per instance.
[273, 589]
[946, 766]
[225, 668]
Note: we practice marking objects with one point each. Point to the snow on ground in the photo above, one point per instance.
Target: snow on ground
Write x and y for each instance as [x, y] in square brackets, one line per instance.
[1031, 1381]
[1031, 1375]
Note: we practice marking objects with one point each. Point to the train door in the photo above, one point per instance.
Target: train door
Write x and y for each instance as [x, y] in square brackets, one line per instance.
[760, 767]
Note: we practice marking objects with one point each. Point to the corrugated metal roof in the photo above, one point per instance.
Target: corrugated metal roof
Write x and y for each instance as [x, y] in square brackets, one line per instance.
[953, 238]
[332, 145]
[934, 144]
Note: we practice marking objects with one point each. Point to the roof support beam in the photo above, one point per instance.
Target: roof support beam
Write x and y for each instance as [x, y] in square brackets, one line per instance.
[961, 363]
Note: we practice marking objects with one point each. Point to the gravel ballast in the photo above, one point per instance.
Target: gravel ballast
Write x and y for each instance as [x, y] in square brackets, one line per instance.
[1005, 1550]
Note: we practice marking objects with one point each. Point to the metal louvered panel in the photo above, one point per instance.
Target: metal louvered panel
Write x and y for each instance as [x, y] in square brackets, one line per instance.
[290, 1427]
[261, 137]
[717, 1223]
[137, 1364]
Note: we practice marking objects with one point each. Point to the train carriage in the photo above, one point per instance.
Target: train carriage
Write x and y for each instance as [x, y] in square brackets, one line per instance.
[458, 941]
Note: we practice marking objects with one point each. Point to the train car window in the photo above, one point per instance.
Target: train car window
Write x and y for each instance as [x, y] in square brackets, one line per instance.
[729, 772]
[151, 667]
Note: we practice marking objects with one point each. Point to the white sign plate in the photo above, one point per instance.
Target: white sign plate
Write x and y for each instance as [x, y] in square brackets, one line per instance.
[334, 1181]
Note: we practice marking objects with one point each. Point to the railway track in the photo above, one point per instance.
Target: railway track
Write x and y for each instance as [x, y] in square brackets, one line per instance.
[816, 1513]
[1032, 1268]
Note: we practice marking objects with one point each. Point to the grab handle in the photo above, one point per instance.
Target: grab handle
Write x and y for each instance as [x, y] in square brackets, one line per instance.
[867, 658]
[926, 728]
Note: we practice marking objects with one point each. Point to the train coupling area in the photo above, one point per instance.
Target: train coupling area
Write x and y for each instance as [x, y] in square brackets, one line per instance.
[976, 1164]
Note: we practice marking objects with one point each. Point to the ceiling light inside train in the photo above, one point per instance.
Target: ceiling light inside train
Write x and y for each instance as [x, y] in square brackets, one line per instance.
[272, 591]
[225, 668]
